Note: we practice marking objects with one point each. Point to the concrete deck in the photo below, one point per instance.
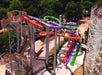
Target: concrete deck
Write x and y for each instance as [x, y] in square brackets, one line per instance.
[63, 69]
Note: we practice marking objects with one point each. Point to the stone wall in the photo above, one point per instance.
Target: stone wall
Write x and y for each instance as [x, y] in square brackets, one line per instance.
[93, 59]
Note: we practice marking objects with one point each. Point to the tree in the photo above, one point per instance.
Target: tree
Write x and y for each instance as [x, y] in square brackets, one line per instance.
[64, 3]
[3, 13]
[4, 3]
[50, 5]
[49, 12]
[4, 43]
[15, 5]
[31, 7]
[86, 7]
[73, 11]
[98, 2]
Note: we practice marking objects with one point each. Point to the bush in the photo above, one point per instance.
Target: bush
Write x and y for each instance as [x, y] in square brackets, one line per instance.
[3, 13]
[4, 42]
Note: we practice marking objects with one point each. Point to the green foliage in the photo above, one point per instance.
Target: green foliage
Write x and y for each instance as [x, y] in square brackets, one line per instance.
[15, 5]
[71, 8]
[3, 13]
[31, 7]
[49, 12]
[4, 3]
[98, 2]
[64, 2]
[21, 73]
[32, 11]
[50, 7]
[73, 11]
[4, 43]
[86, 7]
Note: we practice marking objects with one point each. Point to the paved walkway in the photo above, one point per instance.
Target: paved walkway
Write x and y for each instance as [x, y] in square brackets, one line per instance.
[38, 45]
[61, 68]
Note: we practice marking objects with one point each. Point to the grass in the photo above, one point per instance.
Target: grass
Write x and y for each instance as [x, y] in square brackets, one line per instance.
[50, 39]
[61, 44]
[21, 73]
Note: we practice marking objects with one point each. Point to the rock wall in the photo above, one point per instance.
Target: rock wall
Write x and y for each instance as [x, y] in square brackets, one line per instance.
[93, 59]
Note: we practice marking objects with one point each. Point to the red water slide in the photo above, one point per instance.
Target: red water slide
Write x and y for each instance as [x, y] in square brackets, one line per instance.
[33, 22]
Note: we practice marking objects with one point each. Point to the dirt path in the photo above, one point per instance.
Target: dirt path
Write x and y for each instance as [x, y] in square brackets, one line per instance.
[84, 26]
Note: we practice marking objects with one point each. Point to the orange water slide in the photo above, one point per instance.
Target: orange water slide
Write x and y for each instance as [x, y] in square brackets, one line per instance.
[43, 33]
[33, 22]
[68, 51]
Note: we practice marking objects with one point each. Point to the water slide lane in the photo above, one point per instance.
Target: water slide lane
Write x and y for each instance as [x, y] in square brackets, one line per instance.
[75, 55]
[69, 55]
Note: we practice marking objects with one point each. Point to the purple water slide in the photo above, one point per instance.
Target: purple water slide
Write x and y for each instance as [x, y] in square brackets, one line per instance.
[55, 26]
[69, 55]
[69, 23]
[71, 31]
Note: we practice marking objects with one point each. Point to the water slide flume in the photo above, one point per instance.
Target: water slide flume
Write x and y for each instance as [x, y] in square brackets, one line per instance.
[71, 31]
[70, 53]
[32, 22]
[44, 23]
[37, 25]
[74, 28]
[74, 38]
[69, 23]
[75, 55]
[43, 33]
[54, 25]
[50, 22]
[52, 18]
[78, 38]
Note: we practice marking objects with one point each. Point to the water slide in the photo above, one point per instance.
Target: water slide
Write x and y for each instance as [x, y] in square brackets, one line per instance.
[33, 22]
[58, 26]
[37, 25]
[40, 24]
